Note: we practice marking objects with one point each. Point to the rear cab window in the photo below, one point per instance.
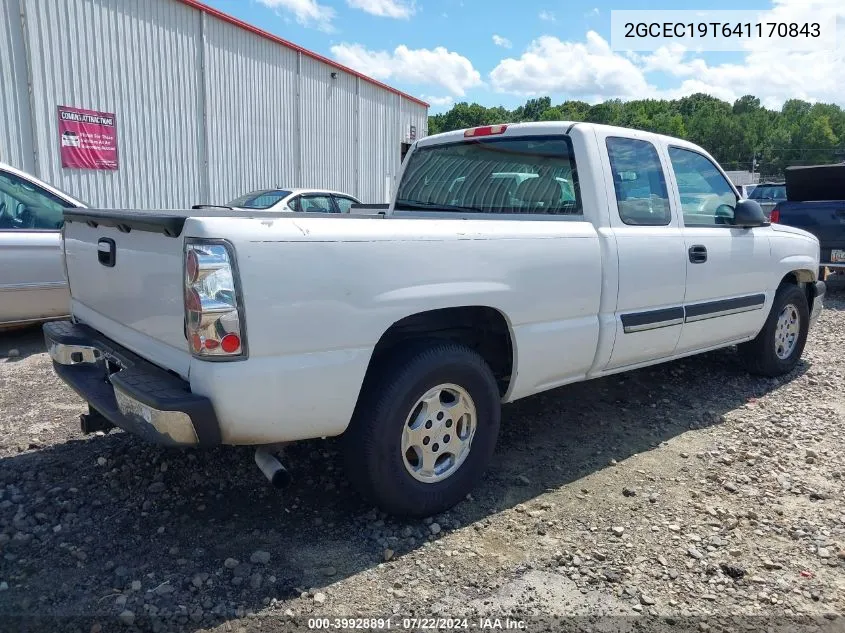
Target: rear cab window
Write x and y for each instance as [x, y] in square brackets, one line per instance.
[524, 175]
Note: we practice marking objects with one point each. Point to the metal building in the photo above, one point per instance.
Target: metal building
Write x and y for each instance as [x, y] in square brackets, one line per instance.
[204, 107]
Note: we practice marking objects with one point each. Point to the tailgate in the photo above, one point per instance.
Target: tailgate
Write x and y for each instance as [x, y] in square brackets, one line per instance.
[136, 299]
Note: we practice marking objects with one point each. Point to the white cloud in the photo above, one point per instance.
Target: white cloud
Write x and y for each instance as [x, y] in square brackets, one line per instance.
[385, 8]
[306, 12]
[437, 67]
[588, 70]
[547, 16]
[440, 102]
[504, 42]
[767, 71]
[667, 59]
[593, 13]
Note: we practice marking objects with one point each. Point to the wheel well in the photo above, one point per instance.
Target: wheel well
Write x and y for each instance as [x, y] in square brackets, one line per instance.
[797, 277]
[803, 279]
[481, 328]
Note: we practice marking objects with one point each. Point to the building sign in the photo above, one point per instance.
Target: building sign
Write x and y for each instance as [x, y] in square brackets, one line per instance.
[87, 139]
[413, 134]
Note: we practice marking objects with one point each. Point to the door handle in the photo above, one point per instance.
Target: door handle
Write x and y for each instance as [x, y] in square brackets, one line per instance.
[698, 254]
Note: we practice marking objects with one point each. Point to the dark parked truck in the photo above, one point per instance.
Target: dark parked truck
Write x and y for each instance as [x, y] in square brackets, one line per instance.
[816, 203]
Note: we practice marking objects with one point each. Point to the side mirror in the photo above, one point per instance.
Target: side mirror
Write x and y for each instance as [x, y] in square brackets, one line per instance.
[748, 214]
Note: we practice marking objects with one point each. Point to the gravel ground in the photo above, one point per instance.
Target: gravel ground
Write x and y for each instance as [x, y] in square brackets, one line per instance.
[685, 495]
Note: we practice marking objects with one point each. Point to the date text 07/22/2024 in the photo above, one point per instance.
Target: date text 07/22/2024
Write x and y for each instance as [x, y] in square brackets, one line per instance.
[416, 624]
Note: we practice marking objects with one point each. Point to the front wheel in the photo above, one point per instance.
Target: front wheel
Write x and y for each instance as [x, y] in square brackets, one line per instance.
[424, 429]
[778, 347]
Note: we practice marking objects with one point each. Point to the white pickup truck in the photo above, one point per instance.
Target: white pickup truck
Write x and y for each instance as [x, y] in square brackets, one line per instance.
[513, 259]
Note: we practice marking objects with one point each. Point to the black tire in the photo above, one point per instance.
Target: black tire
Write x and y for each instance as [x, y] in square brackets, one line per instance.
[372, 445]
[759, 355]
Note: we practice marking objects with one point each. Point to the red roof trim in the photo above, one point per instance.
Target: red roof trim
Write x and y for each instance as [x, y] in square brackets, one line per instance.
[274, 38]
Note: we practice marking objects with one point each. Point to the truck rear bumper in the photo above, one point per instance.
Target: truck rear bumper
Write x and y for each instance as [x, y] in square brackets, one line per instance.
[826, 254]
[130, 392]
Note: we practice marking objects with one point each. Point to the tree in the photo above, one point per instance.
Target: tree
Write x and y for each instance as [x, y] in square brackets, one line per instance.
[533, 109]
[552, 114]
[746, 104]
[574, 110]
[798, 133]
[607, 112]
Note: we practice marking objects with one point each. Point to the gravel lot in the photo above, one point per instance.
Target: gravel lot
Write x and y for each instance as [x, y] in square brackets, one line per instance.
[686, 495]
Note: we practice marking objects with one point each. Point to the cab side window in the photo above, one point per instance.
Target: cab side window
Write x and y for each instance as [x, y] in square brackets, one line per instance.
[707, 199]
[639, 182]
[26, 206]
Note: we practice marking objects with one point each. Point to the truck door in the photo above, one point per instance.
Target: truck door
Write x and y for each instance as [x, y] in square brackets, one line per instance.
[728, 268]
[651, 254]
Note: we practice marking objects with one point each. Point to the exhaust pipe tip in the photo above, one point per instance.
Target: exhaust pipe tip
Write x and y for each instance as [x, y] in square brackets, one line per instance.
[275, 472]
[281, 478]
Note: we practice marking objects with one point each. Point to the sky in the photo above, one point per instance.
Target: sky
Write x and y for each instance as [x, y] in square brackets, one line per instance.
[497, 52]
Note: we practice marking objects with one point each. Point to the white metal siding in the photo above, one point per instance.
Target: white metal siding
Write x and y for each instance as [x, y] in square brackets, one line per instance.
[136, 59]
[328, 127]
[16, 133]
[377, 151]
[252, 112]
[416, 115]
[205, 110]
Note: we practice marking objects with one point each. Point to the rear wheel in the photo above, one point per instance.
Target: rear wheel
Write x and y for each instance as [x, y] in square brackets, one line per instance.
[424, 429]
[778, 347]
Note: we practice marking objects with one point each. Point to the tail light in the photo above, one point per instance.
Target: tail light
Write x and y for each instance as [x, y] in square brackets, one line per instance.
[214, 319]
[774, 217]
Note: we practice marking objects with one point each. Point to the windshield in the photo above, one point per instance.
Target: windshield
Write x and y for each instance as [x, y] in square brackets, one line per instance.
[768, 192]
[260, 199]
[498, 175]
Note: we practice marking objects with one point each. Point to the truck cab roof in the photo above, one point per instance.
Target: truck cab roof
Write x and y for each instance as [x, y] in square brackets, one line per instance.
[552, 128]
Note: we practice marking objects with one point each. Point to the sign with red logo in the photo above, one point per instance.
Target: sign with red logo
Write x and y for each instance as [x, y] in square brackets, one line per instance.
[87, 139]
